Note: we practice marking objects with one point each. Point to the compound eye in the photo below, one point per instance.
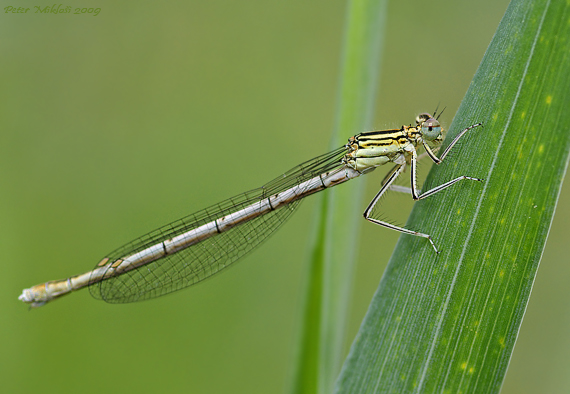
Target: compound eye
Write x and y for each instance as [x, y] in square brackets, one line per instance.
[422, 118]
[431, 129]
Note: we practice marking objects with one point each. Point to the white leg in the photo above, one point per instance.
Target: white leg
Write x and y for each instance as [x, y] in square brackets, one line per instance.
[394, 173]
[405, 189]
[416, 194]
[446, 151]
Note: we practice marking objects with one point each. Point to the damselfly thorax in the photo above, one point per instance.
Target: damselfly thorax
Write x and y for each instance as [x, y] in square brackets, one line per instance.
[371, 149]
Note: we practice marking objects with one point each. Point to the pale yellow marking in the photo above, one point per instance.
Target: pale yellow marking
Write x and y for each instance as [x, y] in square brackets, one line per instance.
[116, 263]
[502, 273]
[548, 99]
[464, 365]
[471, 370]
[398, 318]
[523, 113]
[103, 262]
[502, 341]
[502, 221]
[459, 211]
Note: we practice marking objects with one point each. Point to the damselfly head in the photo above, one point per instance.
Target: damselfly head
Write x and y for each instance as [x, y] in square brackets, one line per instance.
[430, 129]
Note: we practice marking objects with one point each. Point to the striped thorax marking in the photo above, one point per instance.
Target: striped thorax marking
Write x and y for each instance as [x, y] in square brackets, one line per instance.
[371, 149]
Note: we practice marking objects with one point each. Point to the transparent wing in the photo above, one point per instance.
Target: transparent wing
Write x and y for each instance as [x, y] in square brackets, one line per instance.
[204, 259]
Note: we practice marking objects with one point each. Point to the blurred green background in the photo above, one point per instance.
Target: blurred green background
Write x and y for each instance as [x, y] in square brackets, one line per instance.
[116, 124]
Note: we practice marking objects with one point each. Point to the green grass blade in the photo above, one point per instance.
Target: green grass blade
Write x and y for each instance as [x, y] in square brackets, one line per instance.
[448, 323]
[331, 270]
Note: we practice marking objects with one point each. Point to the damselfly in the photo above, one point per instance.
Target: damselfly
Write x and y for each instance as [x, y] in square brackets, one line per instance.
[197, 246]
